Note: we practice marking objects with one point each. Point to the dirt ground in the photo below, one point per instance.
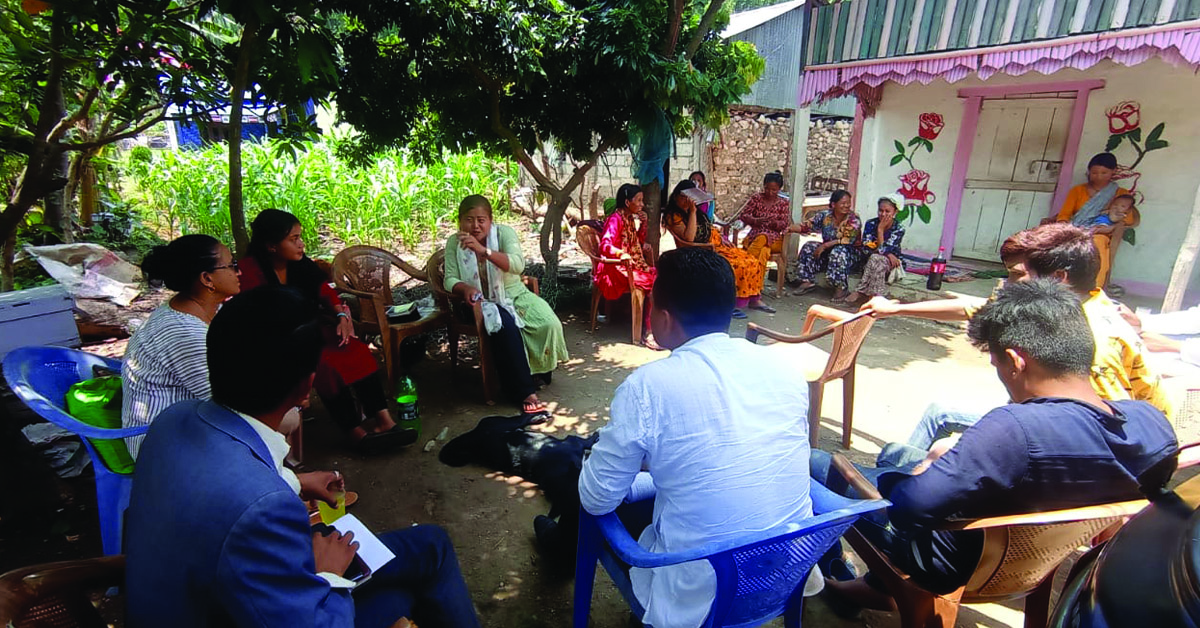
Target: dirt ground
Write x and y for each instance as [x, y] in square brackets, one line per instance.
[904, 365]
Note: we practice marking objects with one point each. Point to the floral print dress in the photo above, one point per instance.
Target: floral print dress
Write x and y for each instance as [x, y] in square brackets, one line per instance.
[875, 251]
[837, 261]
[623, 233]
[748, 273]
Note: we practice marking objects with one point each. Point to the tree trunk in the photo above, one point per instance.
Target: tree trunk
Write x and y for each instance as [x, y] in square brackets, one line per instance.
[6, 263]
[550, 243]
[652, 199]
[241, 79]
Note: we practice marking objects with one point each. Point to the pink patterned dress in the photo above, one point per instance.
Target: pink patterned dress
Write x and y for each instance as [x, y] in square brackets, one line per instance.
[623, 233]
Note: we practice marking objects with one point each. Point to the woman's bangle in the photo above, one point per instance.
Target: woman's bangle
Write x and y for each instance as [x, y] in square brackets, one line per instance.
[343, 315]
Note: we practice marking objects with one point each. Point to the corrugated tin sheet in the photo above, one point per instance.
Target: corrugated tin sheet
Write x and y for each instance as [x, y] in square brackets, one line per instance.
[878, 29]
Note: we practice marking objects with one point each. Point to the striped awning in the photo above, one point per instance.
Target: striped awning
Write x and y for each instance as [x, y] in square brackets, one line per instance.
[1178, 44]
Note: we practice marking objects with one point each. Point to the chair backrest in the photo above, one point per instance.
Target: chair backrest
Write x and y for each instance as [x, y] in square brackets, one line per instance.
[1017, 558]
[366, 272]
[755, 582]
[41, 376]
[435, 270]
[589, 242]
[57, 595]
[847, 341]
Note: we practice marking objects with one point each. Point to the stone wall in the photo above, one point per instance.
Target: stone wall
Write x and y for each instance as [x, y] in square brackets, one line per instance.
[754, 142]
[829, 148]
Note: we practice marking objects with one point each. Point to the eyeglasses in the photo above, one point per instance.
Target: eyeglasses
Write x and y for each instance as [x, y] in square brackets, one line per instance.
[231, 265]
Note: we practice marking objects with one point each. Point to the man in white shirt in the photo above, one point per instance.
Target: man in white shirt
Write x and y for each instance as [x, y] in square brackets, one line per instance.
[720, 427]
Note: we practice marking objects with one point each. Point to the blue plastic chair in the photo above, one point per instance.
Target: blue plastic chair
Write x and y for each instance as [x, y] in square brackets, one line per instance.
[759, 577]
[41, 376]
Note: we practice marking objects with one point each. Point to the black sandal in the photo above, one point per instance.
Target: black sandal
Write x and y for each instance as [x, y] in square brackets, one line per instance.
[763, 307]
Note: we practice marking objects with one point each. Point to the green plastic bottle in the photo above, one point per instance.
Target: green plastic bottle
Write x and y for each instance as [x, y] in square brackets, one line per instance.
[408, 415]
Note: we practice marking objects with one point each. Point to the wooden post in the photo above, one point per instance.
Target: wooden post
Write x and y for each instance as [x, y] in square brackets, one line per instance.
[1185, 262]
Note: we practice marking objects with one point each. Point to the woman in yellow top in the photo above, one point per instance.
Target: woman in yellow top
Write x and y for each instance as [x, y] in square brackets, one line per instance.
[1087, 201]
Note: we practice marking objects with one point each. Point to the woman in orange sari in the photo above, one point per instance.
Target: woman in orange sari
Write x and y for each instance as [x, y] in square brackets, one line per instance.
[1087, 201]
[693, 228]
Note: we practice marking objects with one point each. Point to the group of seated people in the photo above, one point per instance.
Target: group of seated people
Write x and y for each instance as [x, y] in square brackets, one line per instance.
[217, 532]
[726, 452]
[165, 360]
[847, 246]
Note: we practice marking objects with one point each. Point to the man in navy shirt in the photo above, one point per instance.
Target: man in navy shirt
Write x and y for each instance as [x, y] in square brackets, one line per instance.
[1056, 445]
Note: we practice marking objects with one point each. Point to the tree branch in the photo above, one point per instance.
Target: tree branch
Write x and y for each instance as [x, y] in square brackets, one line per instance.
[80, 114]
[706, 22]
[674, 24]
[514, 144]
[118, 137]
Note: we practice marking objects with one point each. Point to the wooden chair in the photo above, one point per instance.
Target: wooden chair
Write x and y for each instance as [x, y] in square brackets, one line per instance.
[849, 331]
[366, 273]
[1020, 556]
[460, 323]
[57, 595]
[589, 242]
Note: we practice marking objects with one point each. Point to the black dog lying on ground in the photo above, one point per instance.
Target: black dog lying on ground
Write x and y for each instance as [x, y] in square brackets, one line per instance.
[504, 444]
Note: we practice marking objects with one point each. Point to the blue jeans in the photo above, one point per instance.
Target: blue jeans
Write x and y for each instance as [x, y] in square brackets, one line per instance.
[423, 583]
[942, 420]
[937, 560]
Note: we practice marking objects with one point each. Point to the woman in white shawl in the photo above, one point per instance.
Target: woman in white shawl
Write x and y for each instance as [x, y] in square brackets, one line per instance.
[484, 263]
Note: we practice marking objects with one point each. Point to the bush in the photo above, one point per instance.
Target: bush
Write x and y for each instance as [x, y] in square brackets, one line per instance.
[391, 203]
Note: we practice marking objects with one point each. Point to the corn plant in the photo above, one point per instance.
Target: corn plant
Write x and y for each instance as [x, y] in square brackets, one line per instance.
[393, 203]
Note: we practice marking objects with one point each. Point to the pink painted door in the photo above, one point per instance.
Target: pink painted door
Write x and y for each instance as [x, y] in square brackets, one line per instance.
[1014, 167]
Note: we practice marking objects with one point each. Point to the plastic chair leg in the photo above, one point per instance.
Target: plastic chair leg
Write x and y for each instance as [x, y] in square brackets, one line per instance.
[816, 392]
[847, 407]
[595, 305]
[112, 498]
[636, 302]
[1037, 603]
[453, 347]
[586, 557]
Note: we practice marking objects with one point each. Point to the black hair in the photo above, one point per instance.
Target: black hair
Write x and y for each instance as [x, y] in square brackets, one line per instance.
[882, 199]
[1053, 247]
[1108, 160]
[839, 195]
[179, 263]
[1129, 197]
[625, 193]
[672, 206]
[271, 227]
[774, 177]
[703, 179]
[473, 201]
[261, 345]
[696, 286]
[1043, 320]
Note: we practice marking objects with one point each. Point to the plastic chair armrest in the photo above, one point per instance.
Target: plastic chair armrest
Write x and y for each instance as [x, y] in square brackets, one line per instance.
[856, 479]
[56, 416]
[1102, 511]
[753, 331]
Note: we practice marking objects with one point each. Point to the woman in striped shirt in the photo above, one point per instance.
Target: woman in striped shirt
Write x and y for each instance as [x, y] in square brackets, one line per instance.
[165, 361]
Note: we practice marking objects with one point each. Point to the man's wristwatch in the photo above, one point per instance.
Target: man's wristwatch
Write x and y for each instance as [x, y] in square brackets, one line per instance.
[487, 252]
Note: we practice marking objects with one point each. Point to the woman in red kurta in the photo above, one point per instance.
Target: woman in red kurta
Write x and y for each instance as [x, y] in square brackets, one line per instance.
[625, 239]
[347, 369]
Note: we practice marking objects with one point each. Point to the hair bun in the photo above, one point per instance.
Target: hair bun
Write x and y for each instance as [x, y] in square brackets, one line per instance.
[157, 264]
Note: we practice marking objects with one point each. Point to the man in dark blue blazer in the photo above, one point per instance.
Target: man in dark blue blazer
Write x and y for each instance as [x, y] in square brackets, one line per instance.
[216, 535]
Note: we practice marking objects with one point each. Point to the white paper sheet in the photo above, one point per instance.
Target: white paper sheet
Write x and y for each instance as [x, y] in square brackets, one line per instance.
[370, 549]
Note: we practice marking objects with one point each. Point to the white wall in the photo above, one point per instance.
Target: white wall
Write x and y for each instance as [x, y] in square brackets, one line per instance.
[1169, 176]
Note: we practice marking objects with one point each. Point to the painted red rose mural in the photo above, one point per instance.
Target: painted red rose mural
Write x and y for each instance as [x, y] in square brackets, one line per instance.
[914, 184]
[1125, 127]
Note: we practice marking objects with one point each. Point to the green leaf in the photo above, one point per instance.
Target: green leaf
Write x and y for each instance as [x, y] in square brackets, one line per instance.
[1130, 236]
[1113, 142]
[924, 213]
[914, 141]
[897, 159]
[928, 145]
[1156, 144]
[899, 147]
[902, 215]
[1136, 134]
[1156, 133]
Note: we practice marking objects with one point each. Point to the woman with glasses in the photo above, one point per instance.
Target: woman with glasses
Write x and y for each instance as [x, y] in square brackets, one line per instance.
[165, 361]
[348, 375]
